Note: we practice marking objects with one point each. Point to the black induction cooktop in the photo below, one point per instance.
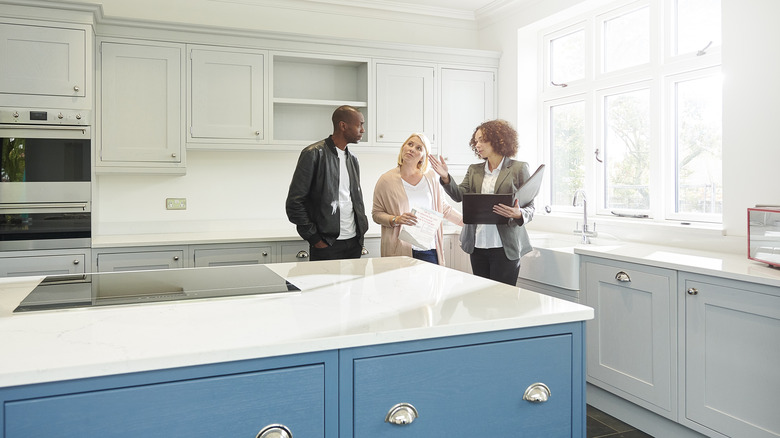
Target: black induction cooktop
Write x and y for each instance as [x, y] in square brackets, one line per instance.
[135, 287]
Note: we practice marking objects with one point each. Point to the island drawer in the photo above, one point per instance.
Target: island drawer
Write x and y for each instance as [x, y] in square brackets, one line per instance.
[473, 390]
[237, 405]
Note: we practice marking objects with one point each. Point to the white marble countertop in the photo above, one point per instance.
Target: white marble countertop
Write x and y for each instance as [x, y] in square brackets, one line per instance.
[723, 265]
[341, 304]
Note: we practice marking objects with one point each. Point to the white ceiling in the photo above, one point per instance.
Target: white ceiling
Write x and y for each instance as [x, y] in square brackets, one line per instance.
[459, 9]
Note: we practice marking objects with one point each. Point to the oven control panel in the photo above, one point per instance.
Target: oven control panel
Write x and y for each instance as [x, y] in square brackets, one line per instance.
[46, 117]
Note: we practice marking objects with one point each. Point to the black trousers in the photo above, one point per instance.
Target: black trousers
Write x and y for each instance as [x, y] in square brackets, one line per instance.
[341, 249]
[492, 263]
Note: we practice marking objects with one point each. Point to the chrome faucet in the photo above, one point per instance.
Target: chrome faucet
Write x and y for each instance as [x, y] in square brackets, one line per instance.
[586, 233]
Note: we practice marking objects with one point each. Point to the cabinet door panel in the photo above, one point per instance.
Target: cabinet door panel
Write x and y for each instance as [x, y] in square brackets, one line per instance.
[227, 95]
[43, 265]
[57, 69]
[233, 256]
[142, 260]
[404, 102]
[468, 391]
[630, 340]
[142, 103]
[467, 100]
[226, 406]
[731, 379]
[294, 252]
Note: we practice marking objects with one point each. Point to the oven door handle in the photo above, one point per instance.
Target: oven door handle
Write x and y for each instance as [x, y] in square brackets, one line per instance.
[20, 207]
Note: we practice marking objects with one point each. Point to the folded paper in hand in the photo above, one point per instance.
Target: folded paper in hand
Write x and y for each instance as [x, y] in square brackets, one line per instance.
[423, 234]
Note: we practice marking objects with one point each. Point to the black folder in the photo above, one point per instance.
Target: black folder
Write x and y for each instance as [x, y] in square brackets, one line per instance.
[478, 207]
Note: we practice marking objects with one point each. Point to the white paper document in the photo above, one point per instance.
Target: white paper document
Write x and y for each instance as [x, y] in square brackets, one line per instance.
[423, 234]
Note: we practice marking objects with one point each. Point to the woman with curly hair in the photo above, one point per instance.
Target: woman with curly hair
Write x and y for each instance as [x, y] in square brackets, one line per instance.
[495, 250]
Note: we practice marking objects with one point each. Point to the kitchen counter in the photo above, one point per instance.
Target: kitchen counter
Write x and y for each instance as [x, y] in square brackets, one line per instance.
[722, 265]
[342, 304]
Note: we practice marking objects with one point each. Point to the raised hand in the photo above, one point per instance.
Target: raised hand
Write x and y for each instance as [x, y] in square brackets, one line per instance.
[440, 167]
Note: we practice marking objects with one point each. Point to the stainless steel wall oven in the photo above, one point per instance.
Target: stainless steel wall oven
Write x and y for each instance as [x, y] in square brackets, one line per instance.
[45, 179]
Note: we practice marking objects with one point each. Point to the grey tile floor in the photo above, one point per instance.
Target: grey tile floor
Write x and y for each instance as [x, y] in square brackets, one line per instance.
[602, 425]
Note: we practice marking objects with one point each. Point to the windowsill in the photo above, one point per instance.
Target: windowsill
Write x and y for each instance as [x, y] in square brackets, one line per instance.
[695, 235]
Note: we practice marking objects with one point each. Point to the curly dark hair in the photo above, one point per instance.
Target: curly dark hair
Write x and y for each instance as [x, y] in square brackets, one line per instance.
[501, 136]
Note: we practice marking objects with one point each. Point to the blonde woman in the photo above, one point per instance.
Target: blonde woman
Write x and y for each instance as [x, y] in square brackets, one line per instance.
[410, 185]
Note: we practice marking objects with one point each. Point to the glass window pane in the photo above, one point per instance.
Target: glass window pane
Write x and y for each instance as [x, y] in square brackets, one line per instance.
[567, 126]
[627, 151]
[567, 58]
[627, 40]
[698, 24]
[699, 169]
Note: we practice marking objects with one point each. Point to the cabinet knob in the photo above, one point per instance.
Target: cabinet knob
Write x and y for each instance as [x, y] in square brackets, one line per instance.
[173, 155]
[302, 254]
[265, 253]
[364, 251]
[537, 393]
[623, 277]
[381, 136]
[275, 431]
[176, 258]
[257, 133]
[401, 414]
[75, 262]
[76, 88]
[692, 291]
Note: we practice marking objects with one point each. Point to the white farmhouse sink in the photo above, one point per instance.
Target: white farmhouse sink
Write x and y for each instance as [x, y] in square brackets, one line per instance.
[553, 261]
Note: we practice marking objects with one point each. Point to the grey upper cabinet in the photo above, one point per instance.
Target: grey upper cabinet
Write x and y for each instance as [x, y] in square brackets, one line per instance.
[631, 342]
[468, 98]
[141, 107]
[404, 102]
[729, 357]
[227, 97]
[59, 76]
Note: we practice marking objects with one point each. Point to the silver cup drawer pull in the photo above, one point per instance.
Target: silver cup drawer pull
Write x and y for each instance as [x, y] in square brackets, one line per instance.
[275, 431]
[622, 277]
[537, 393]
[401, 414]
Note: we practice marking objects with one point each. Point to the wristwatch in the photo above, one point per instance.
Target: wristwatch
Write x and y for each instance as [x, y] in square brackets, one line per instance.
[392, 221]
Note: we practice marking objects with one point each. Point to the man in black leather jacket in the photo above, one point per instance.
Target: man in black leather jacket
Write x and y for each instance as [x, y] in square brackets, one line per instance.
[325, 201]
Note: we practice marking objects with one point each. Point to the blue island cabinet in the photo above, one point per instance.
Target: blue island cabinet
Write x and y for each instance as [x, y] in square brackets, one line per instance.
[234, 399]
[526, 382]
[514, 383]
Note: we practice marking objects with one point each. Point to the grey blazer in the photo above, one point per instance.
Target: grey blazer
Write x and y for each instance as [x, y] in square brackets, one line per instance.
[512, 175]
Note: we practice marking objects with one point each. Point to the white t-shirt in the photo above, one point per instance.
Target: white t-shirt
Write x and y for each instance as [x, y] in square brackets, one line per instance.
[419, 196]
[346, 212]
[487, 234]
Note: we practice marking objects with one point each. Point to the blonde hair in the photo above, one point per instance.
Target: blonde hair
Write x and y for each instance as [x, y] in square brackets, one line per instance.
[423, 164]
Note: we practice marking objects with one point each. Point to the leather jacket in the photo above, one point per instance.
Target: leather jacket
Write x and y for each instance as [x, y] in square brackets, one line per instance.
[312, 201]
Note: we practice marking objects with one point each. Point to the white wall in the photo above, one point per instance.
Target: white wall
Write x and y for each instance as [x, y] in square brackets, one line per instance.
[248, 189]
[218, 184]
[751, 92]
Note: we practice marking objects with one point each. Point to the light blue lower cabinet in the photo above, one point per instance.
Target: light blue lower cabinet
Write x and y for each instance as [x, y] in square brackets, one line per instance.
[472, 388]
[460, 386]
[236, 399]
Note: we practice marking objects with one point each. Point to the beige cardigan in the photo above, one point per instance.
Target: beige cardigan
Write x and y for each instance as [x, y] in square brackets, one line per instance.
[390, 200]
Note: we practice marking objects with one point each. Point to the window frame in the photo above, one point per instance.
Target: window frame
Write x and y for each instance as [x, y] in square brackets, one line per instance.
[661, 73]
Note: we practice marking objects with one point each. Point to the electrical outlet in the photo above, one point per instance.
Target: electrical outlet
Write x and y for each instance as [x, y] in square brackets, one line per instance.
[176, 203]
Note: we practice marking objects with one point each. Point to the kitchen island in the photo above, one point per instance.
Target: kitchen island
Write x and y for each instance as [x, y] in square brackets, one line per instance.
[457, 351]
